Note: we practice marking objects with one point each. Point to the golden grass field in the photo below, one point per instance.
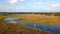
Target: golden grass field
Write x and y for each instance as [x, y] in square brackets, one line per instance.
[6, 28]
[40, 19]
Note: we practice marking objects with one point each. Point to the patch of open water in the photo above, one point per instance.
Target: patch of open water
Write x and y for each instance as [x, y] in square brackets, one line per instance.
[44, 27]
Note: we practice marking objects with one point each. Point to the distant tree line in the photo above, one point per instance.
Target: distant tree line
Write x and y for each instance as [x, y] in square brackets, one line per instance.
[49, 14]
[10, 13]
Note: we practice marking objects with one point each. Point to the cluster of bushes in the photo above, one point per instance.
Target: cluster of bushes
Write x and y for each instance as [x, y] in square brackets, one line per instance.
[49, 14]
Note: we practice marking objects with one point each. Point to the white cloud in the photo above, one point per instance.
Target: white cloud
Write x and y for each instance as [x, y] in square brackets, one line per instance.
[21, 0]
[13, 1]
[55, 5]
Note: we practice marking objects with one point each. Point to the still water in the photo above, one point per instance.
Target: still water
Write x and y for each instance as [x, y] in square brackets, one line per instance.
[44, 27]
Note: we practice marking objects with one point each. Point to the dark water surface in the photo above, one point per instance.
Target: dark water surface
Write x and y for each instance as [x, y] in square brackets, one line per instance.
[44, 27]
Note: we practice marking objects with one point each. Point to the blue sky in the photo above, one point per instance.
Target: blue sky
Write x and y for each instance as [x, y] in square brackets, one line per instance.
[29, 5]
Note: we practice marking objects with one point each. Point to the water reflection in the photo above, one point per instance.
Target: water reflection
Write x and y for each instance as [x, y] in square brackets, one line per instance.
[45, 27]
[11, 20]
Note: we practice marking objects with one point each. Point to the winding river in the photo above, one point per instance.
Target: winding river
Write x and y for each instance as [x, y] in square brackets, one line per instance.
[44, 27]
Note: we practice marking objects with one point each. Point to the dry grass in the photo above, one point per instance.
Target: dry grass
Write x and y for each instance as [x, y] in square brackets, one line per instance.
[6, 28]
[40, 19]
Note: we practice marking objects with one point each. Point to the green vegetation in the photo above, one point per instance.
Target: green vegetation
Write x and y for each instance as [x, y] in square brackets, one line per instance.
[36, 13]
[49, 14]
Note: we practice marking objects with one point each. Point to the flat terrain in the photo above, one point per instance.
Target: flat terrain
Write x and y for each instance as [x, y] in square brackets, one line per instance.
[37, 18]
[7, 28]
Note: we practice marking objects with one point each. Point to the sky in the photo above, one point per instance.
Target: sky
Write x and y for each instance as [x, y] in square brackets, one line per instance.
[29, 5]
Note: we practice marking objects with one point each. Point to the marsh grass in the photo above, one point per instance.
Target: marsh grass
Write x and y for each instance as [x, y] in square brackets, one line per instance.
[40, 19]
[8, 28]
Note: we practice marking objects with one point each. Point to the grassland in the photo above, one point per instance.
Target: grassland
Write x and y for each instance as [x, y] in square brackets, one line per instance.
[6, 28]
[40, 19]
